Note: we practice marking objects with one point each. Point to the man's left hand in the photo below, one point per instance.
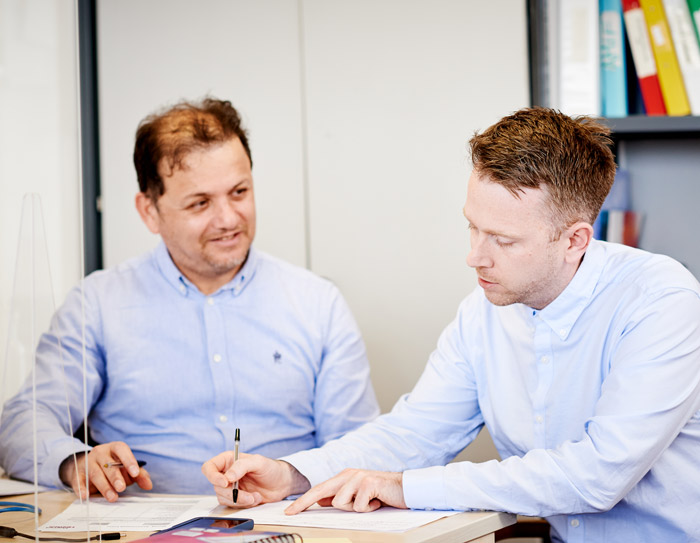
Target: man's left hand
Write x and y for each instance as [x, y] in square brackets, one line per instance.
[354, 490]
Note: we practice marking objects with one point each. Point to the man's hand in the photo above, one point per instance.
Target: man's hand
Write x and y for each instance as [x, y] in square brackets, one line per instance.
[260, 479]
[108, 481]
[354, 490]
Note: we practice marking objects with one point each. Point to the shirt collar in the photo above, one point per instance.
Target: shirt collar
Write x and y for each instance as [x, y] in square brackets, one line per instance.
[184, 286]
[562, 313]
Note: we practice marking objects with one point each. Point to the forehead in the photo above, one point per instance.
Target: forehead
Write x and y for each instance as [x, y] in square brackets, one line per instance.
[213, 167]
[229, 153]
[492, 207]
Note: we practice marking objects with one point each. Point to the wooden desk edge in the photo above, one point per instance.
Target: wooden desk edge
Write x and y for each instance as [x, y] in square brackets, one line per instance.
[452, 529]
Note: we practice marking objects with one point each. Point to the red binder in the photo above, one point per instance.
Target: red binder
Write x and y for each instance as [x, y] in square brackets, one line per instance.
[643, 57]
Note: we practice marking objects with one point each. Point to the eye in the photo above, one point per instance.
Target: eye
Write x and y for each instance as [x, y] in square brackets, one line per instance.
[197, 205]
[239, 192]
[504, 243]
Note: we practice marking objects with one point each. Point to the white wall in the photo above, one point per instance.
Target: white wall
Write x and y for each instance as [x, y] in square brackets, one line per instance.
[39, 153]
[359, 113]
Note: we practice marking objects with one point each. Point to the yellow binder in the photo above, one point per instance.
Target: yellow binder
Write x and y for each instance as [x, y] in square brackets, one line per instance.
[670, 78]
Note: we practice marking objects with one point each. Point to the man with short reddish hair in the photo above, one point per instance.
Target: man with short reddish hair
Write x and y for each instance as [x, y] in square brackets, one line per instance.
[581, 357]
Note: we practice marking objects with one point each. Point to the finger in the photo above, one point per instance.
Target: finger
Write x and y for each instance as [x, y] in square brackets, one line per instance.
[113, 475]
[345, 495]
[245, 464]
[99, 480]
[121, 452]
[318, 493]
[73, 474]
[214, 468]
[366, 497]
[78, 485]
[144, 480]
[244, 499]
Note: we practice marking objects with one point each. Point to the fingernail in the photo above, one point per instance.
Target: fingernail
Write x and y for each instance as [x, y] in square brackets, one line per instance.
[119, 486]
[111, 495]
[133, 471]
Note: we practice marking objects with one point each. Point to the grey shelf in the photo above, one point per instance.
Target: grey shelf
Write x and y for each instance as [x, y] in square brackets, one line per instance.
[643, 127]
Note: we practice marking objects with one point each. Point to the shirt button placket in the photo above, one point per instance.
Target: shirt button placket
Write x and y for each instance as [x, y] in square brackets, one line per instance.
[216, 349]
[543, 368]
[575, 533]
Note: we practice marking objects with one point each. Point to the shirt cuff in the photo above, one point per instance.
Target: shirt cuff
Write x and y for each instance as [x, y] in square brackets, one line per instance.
[425, 488]
[311, 464]
[60, 450]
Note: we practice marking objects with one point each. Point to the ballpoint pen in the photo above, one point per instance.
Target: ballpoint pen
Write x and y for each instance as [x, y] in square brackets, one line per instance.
[236, 442]
[141, 464]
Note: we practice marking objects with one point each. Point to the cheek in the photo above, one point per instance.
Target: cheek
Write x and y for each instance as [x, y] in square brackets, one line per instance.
[249, 214]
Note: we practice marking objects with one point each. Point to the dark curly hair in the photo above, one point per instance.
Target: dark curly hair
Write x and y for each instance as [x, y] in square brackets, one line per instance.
[164, 139]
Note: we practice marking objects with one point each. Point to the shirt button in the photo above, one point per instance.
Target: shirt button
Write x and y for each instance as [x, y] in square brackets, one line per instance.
[210, 301]
[223, 418]
[539, 419]
[574, 523]
[217, 358]
[183, 288]
[544, 359]
[562, 332]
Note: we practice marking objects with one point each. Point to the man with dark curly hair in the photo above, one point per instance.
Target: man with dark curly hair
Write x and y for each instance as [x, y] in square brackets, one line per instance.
[193, 340]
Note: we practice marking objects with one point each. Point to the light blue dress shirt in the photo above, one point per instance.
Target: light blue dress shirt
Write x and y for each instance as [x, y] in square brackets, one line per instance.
[173, 373]
[593, 404]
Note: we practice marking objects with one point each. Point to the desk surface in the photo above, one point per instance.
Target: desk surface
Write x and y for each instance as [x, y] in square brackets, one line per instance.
[478, 526]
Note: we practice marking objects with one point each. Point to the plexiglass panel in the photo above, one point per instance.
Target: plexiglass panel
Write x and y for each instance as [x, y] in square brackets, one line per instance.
[40, 209]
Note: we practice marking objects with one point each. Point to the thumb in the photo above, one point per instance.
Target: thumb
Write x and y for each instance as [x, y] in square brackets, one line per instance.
[79, 485]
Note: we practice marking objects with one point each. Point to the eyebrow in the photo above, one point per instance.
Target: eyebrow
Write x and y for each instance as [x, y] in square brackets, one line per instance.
[492, 232]
[196, 195]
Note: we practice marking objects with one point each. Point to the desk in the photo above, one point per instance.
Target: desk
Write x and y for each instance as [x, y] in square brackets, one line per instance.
[475, 527]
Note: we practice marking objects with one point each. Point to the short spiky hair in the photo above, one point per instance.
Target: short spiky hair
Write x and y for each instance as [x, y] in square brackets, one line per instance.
[171, 135]
[539, 147]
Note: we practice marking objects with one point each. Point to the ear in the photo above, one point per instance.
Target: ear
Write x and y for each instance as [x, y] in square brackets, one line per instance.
[579, 236]
[148, 211]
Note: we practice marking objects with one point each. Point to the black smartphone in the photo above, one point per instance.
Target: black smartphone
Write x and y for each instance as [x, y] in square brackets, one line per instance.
[213, 524]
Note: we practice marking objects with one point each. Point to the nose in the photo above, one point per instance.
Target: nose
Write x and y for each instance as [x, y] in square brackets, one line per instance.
[478, 256]
[226, 214]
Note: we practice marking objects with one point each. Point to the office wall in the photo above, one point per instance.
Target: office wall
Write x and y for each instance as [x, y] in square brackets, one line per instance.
[359, 113]
[39, 154]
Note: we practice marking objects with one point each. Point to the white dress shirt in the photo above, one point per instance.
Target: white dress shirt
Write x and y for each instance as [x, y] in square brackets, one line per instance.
[593, 404]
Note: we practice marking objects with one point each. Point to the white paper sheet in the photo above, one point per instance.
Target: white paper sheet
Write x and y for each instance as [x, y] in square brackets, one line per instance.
[384, 519]
[128, 514]
[11, 487]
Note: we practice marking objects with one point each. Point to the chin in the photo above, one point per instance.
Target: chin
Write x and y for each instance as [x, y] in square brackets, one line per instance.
[500, 300]
[229, 263]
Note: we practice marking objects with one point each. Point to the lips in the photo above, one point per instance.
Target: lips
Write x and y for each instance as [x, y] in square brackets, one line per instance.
[226, 239]
[486, 284]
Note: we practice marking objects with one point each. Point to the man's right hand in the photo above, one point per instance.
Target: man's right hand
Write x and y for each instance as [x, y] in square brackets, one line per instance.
[108, 481]
[260, 479]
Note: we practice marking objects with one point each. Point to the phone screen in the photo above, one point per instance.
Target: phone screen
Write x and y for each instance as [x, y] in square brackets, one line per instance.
[222, 524]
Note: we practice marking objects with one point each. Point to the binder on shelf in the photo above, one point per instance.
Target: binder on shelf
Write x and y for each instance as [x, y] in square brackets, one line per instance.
[616, 223]
[694, 6]
[619, 226]
[643, 57]
[670, 78]
[579, 60]
[613, 73]
[687, 49]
